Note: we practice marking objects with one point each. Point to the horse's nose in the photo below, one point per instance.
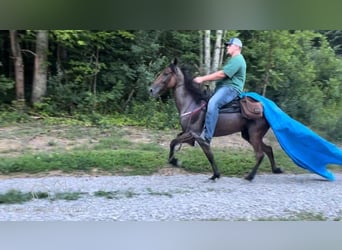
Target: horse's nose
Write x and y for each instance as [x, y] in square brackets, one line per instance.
[154, 92]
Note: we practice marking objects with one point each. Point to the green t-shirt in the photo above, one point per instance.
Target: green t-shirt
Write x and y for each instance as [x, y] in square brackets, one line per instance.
[235, 69]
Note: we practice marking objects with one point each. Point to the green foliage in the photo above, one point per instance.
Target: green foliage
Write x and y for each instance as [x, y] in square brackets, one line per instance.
[156, 114]
[182, 45]
[6, 89]
[300, 72]
[98, 77]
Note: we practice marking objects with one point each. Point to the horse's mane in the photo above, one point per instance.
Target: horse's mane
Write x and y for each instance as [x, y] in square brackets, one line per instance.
[194, 88]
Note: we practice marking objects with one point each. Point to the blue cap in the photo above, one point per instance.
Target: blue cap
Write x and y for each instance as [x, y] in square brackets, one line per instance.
[235, 41]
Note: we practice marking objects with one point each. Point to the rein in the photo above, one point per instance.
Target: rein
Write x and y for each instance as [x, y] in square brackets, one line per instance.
[194, 111]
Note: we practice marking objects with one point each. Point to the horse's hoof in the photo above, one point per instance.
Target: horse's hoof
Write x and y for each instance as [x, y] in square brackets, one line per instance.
[214, 177]
[174, 162]
[278, 171]
[249, 178]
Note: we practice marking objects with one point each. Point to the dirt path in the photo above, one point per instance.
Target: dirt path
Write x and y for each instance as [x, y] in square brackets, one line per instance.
[15, 139]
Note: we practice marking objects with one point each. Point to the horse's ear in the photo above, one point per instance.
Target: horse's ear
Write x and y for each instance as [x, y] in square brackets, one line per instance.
[175, 61]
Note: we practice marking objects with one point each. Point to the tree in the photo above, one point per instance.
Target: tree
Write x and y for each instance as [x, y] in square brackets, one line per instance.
[40, 66]
[18, 66]
[335, 39]
[223, 48]
[217, 51]
[207, 52]
[268, 54]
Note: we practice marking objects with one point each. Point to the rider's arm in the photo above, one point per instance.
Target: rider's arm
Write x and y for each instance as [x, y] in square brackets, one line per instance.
[210, 77]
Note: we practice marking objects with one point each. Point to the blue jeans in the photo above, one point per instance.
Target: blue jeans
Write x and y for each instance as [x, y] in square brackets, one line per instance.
[221, 97]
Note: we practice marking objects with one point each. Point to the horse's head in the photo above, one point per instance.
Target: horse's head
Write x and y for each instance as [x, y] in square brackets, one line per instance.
[167, 79]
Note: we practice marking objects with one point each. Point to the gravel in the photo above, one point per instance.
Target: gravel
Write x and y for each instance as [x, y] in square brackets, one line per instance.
[178, 197]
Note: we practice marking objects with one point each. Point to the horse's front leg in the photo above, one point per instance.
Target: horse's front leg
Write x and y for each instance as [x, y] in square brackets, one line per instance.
[210, 156]
[181, 138]
[172, 160]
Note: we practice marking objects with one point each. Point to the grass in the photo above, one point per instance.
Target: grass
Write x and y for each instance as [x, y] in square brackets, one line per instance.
[75, 148]
[17, 197]
[151, 192]
[124, 161]
[301, 216]
[234, 162]
[116, 194]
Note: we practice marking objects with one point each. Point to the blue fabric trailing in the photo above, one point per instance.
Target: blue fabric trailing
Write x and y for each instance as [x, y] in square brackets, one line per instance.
[306, 148]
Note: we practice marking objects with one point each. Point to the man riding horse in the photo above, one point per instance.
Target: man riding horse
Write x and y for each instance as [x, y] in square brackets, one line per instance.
[230, 82]
[188, 100]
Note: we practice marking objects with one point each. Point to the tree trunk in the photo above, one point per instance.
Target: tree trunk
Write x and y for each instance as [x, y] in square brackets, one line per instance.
[207, 58]
[223, 49]
[18, 66]
[201, 52]
[217, 51]
[40, 66]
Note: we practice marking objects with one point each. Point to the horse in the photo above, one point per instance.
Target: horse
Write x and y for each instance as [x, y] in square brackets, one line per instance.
[190, 101]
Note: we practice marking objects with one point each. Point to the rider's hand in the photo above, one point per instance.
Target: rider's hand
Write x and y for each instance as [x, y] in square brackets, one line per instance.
[198, 79]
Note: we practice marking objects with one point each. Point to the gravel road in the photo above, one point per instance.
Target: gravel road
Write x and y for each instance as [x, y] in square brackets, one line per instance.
[177, 197]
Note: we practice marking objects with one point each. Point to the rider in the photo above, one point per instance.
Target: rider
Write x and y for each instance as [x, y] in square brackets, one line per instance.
[230, 82]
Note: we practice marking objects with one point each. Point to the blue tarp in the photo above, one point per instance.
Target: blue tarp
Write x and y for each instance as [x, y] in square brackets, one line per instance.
[306, 149]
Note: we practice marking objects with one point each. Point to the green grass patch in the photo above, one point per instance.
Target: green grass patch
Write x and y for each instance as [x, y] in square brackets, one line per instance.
[141, 159]
[73, 147]
[107, 194]
[157, 193]
[125, 161]
[299, 216]
[69, 196]
[307, 216]
[15, 196]
[234, 162]
[116, 194]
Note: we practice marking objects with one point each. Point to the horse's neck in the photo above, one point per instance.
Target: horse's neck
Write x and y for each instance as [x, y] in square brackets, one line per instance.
[184, 101]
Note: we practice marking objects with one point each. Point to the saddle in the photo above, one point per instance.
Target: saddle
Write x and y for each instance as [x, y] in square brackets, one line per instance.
[248, 107]
[232, 107]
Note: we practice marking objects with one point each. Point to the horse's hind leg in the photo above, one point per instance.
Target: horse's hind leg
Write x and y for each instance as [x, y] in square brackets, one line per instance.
[256, 142]
[269, 152]
[259, 155]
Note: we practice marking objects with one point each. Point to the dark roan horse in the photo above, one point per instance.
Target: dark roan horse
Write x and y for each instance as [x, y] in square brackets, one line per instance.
[190, 101]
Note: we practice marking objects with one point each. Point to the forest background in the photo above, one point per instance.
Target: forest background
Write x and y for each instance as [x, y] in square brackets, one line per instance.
[102, 77]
